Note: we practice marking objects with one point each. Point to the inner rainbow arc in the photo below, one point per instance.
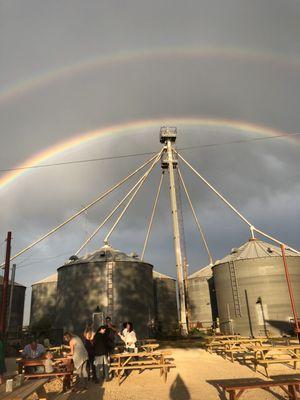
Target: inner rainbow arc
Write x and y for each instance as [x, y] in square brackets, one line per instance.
[134, 127]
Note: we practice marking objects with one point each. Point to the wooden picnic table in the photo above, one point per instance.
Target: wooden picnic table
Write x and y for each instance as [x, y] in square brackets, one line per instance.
[276, 355]
[141, 361]
[150, 347]
[64, 374]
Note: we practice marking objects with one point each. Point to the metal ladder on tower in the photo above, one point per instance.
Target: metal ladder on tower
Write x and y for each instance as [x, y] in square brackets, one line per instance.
[110, 292]
[235, 290]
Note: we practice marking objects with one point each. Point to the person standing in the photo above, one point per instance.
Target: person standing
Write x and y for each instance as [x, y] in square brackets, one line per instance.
[101, 350]
[2, 359]
[129, 337]
[110, 332]
[89, 345]
[79, 355]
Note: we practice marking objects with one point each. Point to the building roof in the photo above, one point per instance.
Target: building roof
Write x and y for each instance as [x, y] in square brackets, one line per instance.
[161, 276]
[48, 279]
[105, 253]
[255, 248]
[15, 284]
[204, 272]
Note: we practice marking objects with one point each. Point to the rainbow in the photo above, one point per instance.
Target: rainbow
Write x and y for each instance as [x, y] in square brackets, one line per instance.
[134, 127]
[68, 71]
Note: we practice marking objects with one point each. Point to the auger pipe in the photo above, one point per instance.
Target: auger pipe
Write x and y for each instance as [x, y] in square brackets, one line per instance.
[83, 209]
[152, 215]
[132, 197]
[252, 227]
[196, 218]
[110, 215]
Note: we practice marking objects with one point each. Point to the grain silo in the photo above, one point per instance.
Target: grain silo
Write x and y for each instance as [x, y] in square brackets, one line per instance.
[251, 289]
[17, 308]
[201, 298]
[109, 281]
[165, 304]
[43, 300]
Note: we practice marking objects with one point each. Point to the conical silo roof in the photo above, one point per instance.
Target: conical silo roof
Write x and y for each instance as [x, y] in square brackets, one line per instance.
[255, 248]
[15, 284]
[202, 273]
[48, 279]
[161, 276]
[105, 253]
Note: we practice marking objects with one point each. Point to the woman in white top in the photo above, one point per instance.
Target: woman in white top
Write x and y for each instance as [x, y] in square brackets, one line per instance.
[129, 337]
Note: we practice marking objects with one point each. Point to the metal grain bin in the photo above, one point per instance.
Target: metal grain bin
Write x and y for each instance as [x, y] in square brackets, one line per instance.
[252, 292]
[201, 298]
[43, 299]
[165, 304]
[17, 309]
[107, 280]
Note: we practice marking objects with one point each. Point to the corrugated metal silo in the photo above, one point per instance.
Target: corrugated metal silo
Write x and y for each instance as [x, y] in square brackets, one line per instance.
[119, 285]
[201, 297]
[165, 303]
[17, 309]
[43, 299]
[252, 292]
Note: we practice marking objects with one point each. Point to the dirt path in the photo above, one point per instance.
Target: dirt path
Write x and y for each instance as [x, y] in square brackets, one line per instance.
[188, 381]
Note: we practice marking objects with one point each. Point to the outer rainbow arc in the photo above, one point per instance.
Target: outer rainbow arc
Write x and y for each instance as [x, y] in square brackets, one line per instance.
[133, 126]
[146, 54]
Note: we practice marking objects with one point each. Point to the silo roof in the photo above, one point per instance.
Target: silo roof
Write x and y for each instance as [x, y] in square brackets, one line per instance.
[203, 272]
[254, 248]
[48, 279]
[105, 253]
[15, 284]
[161, 276]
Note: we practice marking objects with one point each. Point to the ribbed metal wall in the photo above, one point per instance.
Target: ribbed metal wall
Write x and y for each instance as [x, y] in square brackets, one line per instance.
[165, 304]
[201, 298]
[252, 292]
[17, 310]
[43, 300]
[113, 282]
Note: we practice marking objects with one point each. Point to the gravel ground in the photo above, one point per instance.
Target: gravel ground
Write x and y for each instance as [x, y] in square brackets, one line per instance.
[188, 381]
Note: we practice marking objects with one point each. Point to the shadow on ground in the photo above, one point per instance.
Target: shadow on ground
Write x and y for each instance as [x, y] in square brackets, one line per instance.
[179, 390]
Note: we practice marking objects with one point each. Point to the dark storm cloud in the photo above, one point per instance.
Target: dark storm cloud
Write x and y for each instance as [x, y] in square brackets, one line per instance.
[260, 178]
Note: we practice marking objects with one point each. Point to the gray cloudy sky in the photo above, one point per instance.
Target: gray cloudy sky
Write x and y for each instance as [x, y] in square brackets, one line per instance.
[257, 81]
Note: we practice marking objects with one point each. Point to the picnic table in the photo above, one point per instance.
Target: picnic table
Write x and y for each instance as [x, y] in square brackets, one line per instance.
[276, 355]
[25, 390]
[150, 347]
[122, 362]
[236, 387]
[231, 346]
[65, 374]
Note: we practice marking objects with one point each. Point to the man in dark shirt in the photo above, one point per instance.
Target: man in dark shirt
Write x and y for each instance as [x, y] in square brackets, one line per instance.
[110, 333]
[101, 352]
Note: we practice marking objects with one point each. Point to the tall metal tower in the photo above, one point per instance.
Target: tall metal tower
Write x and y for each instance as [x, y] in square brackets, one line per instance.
[169, 161]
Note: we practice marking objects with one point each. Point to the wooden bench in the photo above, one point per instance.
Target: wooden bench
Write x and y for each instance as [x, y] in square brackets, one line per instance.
[141, 361]
[265, 356]
[24, 390]
[65, 375]
[236, 389]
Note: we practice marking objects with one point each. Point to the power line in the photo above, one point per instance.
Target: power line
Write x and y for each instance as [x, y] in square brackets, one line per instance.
[240, 141]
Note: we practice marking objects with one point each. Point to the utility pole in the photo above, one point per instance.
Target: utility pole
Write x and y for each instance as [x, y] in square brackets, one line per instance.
[5, 284]
[12, 285]
[168, 136]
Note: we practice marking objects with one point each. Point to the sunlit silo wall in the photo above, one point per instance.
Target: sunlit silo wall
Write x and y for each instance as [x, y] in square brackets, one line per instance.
[252, 292]
[165, 304]
[201, 299]
[43, 300]
[117, 284]
[17, 309]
